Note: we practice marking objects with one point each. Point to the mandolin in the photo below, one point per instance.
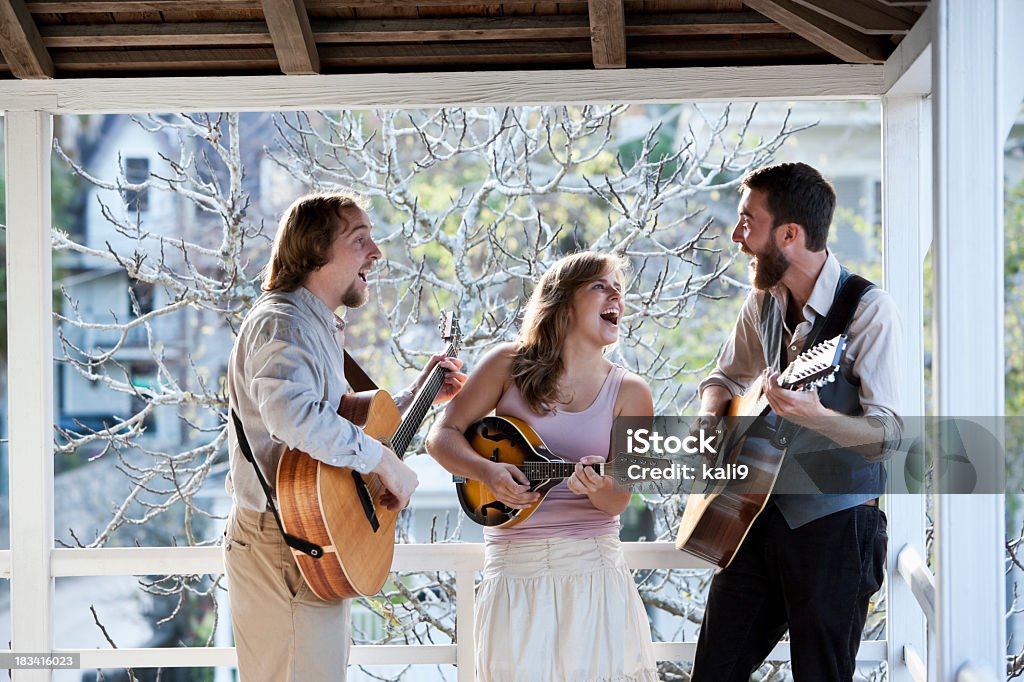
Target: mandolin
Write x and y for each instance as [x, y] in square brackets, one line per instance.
[510, 440]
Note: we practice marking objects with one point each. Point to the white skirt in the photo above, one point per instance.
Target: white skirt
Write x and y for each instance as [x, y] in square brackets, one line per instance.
[561, 610]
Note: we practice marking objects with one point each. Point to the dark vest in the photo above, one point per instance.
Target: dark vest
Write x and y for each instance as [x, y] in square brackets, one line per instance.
[818, 476]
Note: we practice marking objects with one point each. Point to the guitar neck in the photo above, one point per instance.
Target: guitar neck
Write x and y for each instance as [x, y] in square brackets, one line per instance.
[420, 406]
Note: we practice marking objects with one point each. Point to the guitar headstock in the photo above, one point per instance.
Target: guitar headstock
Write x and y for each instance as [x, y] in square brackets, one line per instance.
[816, 366]
[450, 331]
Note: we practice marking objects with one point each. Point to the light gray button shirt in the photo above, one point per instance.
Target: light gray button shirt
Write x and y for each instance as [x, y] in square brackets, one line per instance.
[872, 354]
[286, 379]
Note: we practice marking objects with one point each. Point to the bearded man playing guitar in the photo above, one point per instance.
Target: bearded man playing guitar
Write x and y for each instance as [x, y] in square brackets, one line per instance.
[810, 562]
[286, 379]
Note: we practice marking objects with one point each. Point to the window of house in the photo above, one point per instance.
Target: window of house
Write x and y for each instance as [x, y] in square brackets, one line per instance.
[136, 171]
[143, 293]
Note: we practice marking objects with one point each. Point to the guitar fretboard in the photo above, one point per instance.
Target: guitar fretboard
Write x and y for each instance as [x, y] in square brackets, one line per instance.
[420, 405]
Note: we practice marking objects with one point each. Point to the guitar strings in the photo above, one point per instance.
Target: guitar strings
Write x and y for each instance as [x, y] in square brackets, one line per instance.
[406, 430]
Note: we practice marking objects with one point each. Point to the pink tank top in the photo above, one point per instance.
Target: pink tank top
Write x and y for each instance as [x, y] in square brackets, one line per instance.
[569, 436]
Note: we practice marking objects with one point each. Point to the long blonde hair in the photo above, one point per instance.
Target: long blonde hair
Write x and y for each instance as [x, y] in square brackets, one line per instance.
[304, 237]
[537, 360]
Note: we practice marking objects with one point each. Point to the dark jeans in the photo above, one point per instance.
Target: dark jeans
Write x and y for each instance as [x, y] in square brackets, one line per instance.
[815, 580]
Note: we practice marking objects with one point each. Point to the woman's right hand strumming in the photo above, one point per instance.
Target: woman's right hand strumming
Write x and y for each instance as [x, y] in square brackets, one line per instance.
[510, 485]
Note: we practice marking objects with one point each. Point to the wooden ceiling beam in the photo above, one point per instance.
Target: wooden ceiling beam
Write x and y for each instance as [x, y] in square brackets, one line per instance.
[828, 34]
[865, 16]
[607, 33]
[292, 35]
[20, 42]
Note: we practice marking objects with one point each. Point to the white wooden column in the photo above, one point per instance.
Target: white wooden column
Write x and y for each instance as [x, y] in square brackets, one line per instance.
[1012, 56]
[906, 232]
[969, 541]
[28, 136]
[907, 235]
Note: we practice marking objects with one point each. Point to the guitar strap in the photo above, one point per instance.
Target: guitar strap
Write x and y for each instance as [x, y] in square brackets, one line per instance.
[840, 315]
[356, 377]
[305, 546]
[836, 322]
[358, 380]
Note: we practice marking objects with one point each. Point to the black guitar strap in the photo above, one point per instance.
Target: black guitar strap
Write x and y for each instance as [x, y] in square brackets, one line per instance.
[840, 315]
[836, 322]
[358, 380]
[305, 546]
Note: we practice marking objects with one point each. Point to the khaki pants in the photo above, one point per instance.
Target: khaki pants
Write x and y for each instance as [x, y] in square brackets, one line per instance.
[283, 632]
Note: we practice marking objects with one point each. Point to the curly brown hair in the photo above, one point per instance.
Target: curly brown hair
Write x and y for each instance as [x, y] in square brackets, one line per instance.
[304, 237]
[537, 359]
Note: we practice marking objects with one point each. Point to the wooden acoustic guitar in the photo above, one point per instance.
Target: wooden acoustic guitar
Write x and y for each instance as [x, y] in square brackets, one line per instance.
[716, 520]
[337, 508]
[510, 440]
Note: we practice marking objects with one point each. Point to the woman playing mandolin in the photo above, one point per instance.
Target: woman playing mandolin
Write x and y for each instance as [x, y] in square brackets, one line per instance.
[557, 601]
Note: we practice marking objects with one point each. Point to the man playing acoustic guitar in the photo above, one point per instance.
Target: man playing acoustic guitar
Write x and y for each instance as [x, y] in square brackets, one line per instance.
[286, 380]
[810, 562]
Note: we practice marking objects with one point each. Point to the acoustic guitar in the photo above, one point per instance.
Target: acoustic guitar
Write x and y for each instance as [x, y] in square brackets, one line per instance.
[510, 440]
[715, 521]
[337, 508]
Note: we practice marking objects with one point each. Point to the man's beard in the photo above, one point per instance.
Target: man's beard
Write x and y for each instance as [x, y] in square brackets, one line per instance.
[767, 269]
[354, 298]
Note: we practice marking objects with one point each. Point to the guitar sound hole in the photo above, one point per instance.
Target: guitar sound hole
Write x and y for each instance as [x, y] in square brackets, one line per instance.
[496, 437]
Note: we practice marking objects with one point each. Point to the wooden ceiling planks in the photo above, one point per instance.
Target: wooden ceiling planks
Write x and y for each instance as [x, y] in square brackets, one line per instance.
[693, 23]
[255, 33]
[192, 34]
[491, 10]
[865, 16]
[209, 61]
[91, 38]
[724, 50]
[828, 34]
[432, 56]
[441, 30]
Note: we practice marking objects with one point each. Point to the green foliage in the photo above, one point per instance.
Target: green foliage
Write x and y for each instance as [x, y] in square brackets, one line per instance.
[64, 189]
[1014, 292]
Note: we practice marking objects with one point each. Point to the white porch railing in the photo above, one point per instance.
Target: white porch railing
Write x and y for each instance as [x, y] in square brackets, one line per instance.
[463, 559]
[916, 574]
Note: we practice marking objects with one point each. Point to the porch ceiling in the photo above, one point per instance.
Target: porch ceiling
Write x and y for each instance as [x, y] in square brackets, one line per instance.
[110, 38]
